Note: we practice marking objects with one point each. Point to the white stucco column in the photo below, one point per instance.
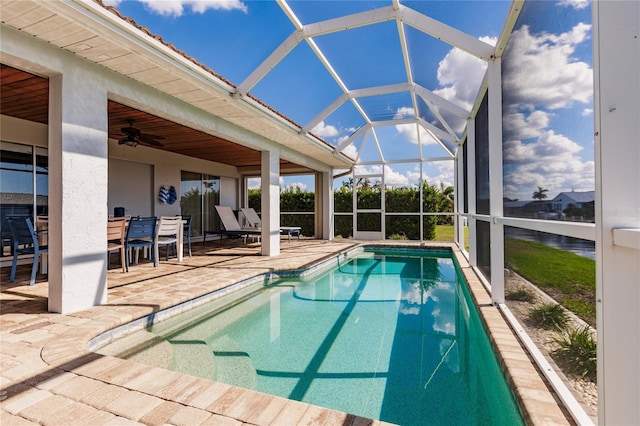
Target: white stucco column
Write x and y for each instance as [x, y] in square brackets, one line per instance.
[324, 205]
[77, 191]
[270, 183]
[616, 59]
[496, 192]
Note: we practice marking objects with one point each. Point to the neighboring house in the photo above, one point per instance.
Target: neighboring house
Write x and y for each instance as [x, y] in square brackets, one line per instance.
[537, 209]
[578, 199]
[515, 208]
[554, 209]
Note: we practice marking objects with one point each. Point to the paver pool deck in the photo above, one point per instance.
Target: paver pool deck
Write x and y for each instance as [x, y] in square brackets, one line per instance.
[49, 376]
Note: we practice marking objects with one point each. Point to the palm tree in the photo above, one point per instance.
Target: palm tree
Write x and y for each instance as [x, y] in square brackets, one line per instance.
[540, 194]
[446, 198]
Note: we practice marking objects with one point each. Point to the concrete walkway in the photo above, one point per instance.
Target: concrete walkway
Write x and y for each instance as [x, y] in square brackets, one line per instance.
[49, 377]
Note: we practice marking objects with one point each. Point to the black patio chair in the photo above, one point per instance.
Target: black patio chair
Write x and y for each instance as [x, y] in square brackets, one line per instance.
[25, 242]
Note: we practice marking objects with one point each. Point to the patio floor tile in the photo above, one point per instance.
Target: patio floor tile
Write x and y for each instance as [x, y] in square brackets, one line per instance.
[133, 405]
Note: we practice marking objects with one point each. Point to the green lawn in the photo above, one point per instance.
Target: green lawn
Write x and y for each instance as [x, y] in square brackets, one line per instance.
[446, 233]
[568, 278]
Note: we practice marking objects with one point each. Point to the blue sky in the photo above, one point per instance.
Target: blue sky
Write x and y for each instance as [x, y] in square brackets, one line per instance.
[233, 37]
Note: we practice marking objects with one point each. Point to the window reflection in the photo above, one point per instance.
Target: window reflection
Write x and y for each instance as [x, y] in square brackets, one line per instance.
[483, 237]
[22, 174]
[199, 194]
[547, 102]
[482, 157]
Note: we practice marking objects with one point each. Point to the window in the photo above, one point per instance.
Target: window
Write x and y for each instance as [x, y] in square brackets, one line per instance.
[199, 194]
[482, 157]
[24, 172]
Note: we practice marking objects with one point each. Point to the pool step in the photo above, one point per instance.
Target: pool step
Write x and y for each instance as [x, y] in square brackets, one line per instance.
[144, 347]
[193, 357]
[233, 365]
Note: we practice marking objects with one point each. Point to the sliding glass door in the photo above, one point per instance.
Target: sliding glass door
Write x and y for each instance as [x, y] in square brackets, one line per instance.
[24, 185]
[200, 193]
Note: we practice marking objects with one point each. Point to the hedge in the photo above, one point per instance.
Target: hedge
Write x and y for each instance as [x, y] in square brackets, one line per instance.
[397, 200]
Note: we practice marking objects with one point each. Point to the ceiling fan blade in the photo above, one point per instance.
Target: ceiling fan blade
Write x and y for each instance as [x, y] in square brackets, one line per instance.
[146, 139]
[130, 131]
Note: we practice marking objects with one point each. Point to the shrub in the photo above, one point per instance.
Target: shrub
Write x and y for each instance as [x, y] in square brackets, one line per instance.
[520, 295]
[398, 237]
[548, 316]
[397, 200]
[577, 352]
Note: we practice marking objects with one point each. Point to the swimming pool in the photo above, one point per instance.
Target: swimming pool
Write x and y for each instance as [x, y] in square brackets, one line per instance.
[389, 334]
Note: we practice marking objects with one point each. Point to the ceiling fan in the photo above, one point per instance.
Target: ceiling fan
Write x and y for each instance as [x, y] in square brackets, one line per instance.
[134, 136]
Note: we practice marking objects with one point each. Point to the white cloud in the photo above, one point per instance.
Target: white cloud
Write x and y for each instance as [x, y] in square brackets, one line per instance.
[404, 112]
[551, 162]
[409, 131]
[350, 151]
[548, 148]
[176, 7]
[294, 185]
[165, 7]
[201, 6]
[443, 319]
[253, 183]
[413, 175]
[391, 177]
[460, 75]
[445, 174]
[576, 4]
[519, 126]
[542, 84]
[323, 130]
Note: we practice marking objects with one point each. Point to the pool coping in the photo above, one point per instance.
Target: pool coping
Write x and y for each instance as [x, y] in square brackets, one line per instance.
[71, 360]
[538, 402]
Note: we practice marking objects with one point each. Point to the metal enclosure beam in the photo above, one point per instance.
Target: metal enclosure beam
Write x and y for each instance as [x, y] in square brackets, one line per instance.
[495, 180]
[446, 33]
[616, 59]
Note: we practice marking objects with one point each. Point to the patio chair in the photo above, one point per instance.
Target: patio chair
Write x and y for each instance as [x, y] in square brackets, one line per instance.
[116, 239]
[141, 233]
[25, 241]
[254, 221]
[5, 231]
[231, 226]
[167, 235]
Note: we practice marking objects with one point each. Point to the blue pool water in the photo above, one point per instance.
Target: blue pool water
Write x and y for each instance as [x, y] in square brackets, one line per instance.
[391, 335]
